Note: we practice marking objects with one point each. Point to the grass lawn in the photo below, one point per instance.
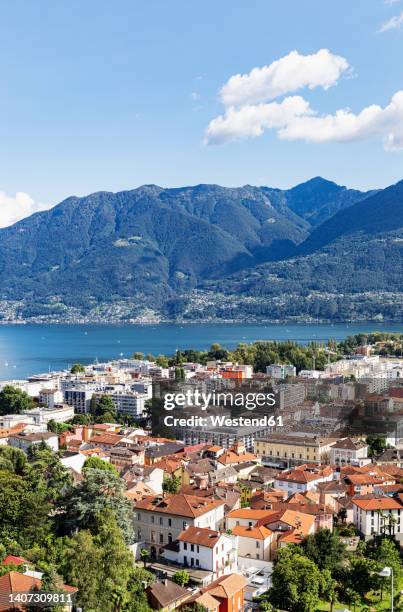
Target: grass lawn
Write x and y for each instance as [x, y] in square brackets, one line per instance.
[372, 602]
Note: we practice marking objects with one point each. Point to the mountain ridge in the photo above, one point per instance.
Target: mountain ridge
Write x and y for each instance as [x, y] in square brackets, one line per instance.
[153, 247]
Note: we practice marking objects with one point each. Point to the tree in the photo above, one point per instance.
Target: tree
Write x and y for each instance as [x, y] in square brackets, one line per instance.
[85, 504]
[24, 512]
[162, 361]
[385, 553]
[12, 459]
[297, 582]
[324, 548]
[46, 473]
[96, 463]
[377, 445]
[138, 355]
[329, 586]
[81, 419]
[81, 568]
[171, 484]
[77, 368]
[362, 575]
[14, 400]
[181, 577]
[144, 554]
[103, 409]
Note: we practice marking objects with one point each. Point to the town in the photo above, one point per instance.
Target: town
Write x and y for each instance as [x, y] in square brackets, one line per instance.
[107, 505]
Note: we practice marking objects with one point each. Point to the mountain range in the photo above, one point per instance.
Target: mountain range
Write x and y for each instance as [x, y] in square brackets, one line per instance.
[318, 250]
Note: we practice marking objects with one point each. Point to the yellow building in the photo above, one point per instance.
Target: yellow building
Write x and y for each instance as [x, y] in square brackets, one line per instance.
[292, 450]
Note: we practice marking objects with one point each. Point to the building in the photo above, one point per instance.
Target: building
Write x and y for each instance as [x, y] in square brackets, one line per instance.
[281, 371]
[378, 514]
[58, 413]
[289, 394]
[166, 595]
[283, 450]
[127, 402]
[50, 397]
[205, 549]
[15, 582]
[160, 519]
[303, 478]
[228, 591]
[24, 441]
[349, 452]
[254, 542]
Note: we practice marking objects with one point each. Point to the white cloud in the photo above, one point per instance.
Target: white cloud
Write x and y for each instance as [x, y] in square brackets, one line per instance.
[251, 120]
[12, 209]
[195, 96]
[294, 119]
[287, 74]
[392, 24]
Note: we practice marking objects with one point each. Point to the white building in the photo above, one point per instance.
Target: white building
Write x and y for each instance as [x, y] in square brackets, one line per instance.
[205, 549]
[160, 519]
[42, 416]
[50, 397]
[377, 514]
[254, 542]
[281, 371]
[349, 452]
[24, 441]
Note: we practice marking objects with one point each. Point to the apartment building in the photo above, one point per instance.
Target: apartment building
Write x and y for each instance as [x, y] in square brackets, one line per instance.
[377, 514]
[205, 549]
[160, 519]
[283, 450]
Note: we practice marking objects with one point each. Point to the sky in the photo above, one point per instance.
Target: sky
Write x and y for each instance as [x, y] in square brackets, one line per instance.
[102, 95]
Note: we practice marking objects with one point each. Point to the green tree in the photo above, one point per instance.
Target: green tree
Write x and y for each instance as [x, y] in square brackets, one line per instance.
[324, 548]
[96, 463]
[297, 582]
[12, 459]
[329, 586]
[181, 577]
[85, 504]
[171, 484]
[162, 361]
[362, 575]
[377, 445]
[81, 568]
[385, 553]
[45, 473]
[103, 409]
[77, 368]
[14, 400]
[138, 355]
[144, 555]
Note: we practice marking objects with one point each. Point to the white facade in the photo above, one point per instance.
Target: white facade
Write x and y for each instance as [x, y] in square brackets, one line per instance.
[281, 371]
[50, 397]
[371, 522]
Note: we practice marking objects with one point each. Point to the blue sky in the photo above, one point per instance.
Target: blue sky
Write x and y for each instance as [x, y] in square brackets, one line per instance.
[109, 95]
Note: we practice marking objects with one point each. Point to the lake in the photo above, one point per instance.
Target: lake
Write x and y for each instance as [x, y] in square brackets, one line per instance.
[33, 349]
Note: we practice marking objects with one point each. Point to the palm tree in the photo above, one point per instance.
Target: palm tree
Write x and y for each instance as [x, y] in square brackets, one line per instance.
[144, 554]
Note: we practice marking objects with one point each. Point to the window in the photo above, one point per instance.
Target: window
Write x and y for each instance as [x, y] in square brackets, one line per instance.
[161, 521]
[138, 516]
[258, 556]
[161, 538]
[192, 548]
[197, 562]
[198, 549]
[250, 524]
[169, 538]
[185, 546]
[184, 525]
[257, 544]
[152, 518]
[169, 522]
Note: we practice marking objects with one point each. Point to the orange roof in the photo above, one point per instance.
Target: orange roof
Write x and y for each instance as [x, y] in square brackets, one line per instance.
[180, 504]
[292, 537]
[206, 600]
[12, 559]
[376, 503]
[256, 533]
[200, 535]
[230, 457]
[226, 586]
[14, 582]
[248, 513]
